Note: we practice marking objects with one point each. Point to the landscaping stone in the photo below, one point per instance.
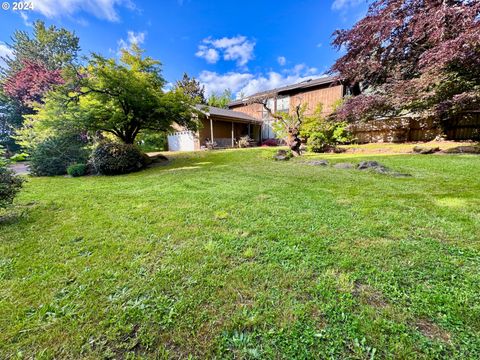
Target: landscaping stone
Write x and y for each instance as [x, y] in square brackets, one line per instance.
[282, 155]
[317, 162]
[379, 168]
[344, 166]
[463, 150]
[425, 150]
[363, 165]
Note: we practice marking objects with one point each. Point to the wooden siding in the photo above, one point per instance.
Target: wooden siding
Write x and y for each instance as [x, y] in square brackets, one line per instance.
[327, 96]
[254, 110]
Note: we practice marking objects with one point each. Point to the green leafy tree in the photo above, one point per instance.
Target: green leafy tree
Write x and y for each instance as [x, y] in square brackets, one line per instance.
[53, 47]
[220, 100]
[46, 51]
[192, 88]
[121, 98]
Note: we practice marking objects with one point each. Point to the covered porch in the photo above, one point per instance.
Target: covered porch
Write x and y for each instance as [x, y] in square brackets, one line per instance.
[223, 128]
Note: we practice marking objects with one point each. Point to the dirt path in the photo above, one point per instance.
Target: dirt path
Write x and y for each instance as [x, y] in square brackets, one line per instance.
[20, 168]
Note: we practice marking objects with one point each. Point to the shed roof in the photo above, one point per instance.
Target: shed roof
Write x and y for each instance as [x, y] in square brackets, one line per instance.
[227, 115]
[290, 88]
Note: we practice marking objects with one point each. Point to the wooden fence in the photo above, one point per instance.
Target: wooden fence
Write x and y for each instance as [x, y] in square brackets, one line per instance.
[464, 127]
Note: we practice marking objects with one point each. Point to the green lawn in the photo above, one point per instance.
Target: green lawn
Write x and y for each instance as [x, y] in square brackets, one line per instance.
[229, 254]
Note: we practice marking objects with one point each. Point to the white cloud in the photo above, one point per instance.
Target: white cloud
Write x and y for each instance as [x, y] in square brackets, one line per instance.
[281, 60]
[210, 55]
[237, 48]
[216, 83]
[136, 38]
[247, 84]
[132, 38]
[5, 51]
[25, 19]
[344, 4]
[102, 9]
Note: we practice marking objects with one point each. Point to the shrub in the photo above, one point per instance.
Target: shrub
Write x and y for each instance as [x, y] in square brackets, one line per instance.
[270, 142]
[10, 184]
[323, 134]
[54, 155]
[328, 136]
[76, 170]
[19, 157]
[112, 158]
[244, 141]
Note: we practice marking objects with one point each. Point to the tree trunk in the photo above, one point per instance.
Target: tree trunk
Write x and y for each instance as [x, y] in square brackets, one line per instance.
[294, 142]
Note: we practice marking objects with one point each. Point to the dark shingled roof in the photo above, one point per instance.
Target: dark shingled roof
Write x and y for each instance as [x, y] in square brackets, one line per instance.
[294, 87]
[227, 114]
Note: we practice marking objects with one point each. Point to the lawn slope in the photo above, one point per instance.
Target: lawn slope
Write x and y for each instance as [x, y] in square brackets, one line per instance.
[229, 254]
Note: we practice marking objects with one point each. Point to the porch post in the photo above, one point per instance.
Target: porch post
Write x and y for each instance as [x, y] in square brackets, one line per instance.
[233, 136]
[211, 130]
[248, 129]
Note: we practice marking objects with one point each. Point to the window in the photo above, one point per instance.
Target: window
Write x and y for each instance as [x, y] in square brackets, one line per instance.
[283, 104]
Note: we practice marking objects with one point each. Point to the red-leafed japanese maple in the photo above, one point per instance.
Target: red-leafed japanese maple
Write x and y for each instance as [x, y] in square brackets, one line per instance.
[411, 56]
[31, 82]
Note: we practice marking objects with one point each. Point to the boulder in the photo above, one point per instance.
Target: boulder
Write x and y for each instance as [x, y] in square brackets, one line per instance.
[379, 168]
[363, 165]
[317, 162]
[343, 166]
[425, 150]
[463, 150]
[282, 155]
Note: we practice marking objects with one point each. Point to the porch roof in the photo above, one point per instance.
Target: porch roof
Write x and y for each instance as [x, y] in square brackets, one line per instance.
[216, 113]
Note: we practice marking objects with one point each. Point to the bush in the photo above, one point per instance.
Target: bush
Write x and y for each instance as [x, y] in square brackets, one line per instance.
[76, 170]
[322, 133]
[244, 141]
[328, 136]
[112, 158]
[10, 184]
[54, 155]
[19, 157]
[270, 142]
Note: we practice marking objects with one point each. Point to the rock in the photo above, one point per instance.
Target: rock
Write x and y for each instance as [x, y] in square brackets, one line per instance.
[317, 162]
[425, 150]
[380, 169]
[463, 150]
[343, 166]
[373, 165]
[368, 165]
[282, 155]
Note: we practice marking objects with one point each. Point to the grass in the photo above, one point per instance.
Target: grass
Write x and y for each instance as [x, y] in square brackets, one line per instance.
[229, 254]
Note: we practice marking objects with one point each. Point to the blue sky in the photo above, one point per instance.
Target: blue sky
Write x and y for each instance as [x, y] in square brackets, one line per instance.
[247, 46]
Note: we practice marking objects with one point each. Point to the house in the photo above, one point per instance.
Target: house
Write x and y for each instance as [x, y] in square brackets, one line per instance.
[220, 126]
[226, 126]
[326, 91]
